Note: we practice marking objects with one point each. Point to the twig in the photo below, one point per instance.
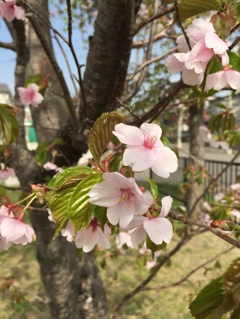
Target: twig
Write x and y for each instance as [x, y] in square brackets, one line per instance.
[147, 63]
[26, 5]
[57, 70]
[67, 63]
[179, 282]
[70, 44]
[146, 58]
[207, 225]
[140, 287]
[180, 24]
[142, 43]
[152, 18]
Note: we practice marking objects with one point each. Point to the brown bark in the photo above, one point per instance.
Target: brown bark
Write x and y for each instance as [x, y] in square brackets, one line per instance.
[196, 150]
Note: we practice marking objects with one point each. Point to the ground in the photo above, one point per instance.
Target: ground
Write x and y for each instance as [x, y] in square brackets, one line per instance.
[26, 299]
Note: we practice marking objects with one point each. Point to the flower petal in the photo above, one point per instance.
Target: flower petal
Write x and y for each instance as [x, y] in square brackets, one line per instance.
[128, 134]
[159, 230]
[166, 205]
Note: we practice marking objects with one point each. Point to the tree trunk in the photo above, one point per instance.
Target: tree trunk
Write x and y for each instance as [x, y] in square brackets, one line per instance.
[196, 160]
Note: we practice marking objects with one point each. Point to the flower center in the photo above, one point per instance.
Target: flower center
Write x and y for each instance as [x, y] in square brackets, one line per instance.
[149, 141]
[126, 195]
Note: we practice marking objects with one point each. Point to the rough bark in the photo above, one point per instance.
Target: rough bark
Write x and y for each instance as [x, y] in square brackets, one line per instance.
[108, 56]
[196, 150]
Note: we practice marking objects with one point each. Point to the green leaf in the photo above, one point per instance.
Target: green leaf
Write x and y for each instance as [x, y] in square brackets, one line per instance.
[71, 203]
[190, 8]
[41, 153]
[153, 247]
[154, 188]
[209, 299]
[232, 281]
[80, 210]
[101, 133]
[101, 215]
[234, 60]
[8, 124]
[70, 176]
[34, 79]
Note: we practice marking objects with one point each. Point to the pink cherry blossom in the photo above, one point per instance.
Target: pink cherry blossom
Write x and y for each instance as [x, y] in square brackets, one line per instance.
[176, 63]
[68, 231]
[235, 187]
[14, 230]
[159, 229]
[30, 95]
[49, 166]
[6, 173]
[145, 149]
[10, 11]
[87, 238]
[224, 78]
[207, 137]
[122, 196]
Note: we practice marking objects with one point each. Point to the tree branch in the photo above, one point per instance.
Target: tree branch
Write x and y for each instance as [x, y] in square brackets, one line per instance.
[147, 63]
[10, 46]
[140, 44]
[126, 51]
[57, 70]
[179, 282]
[152, 18]
[206, 225]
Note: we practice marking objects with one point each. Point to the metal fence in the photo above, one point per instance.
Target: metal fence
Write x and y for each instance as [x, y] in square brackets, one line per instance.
[171, 185]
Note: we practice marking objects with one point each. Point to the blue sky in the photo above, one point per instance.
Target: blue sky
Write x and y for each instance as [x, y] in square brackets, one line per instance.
[7, 57]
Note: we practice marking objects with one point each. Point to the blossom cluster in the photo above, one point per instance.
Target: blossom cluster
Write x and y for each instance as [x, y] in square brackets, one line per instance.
[127, 205]
[194, 56]
[9, 10]
[13, 230]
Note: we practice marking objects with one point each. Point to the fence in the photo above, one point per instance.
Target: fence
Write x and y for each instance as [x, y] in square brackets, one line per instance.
[171, 185]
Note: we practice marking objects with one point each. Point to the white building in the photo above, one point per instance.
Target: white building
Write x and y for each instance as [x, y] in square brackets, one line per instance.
[5, 94]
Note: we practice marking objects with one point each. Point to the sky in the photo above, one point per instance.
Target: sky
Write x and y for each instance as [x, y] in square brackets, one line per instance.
[7, 57]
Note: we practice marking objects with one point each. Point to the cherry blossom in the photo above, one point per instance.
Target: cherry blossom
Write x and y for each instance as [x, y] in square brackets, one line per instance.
[235, 187]
[14, 230]
[9, 10]
[122, 196]
[224, 78]
[49, 166]
[30, 95]
[87, 238]
[159, 229]
[145, 149]
[6, 173]
[176, 63]
[207, 137]
[204, 44]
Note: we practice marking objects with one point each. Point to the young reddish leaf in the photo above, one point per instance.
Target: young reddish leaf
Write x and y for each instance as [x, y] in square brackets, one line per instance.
[101, 133]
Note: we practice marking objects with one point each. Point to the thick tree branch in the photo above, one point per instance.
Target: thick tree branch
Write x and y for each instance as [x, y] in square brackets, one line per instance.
[126, 51]
[10, 46]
